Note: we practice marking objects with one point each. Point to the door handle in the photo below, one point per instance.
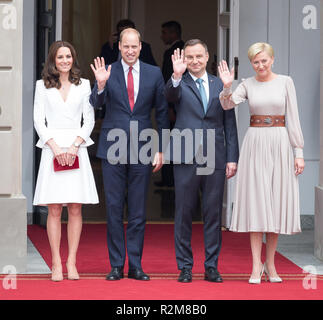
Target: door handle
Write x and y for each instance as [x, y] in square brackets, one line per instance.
[236, 68]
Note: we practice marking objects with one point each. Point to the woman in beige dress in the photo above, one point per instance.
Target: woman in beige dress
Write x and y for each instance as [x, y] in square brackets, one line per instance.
[267, 193]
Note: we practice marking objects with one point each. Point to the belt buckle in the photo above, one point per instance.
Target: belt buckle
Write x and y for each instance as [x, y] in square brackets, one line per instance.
[269, 121]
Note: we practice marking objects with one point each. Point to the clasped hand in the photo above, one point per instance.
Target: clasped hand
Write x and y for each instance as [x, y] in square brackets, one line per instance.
[65, 158]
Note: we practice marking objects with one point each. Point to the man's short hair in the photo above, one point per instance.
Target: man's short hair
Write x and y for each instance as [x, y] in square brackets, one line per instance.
[123, 32]
[194, 42]
[174, 26]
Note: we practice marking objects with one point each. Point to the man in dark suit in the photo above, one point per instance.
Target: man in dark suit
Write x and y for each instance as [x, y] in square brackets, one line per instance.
[172, 36]
[198, 109]
[110, 50]
[130, 89]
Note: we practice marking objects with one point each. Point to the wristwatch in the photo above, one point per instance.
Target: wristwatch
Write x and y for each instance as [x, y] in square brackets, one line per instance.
[76, 145]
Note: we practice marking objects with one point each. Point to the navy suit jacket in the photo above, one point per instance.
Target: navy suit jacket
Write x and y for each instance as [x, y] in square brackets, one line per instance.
[118, 113]
[190, 115]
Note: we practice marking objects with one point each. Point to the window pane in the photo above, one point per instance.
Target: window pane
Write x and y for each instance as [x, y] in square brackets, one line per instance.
[226, 45]
[227, 5]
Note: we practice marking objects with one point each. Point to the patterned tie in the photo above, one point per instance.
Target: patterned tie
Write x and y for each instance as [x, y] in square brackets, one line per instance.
[202, 93]
[130, 89]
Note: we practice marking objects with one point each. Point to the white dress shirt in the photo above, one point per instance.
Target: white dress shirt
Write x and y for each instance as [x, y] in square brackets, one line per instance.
[135, 74]
[205, 79]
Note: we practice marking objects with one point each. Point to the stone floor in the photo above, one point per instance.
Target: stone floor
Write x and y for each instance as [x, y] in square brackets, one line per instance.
[297, 248]
[35, 262]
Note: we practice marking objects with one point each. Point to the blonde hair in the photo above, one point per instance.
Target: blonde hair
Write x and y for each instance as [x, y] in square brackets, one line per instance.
[260, 47]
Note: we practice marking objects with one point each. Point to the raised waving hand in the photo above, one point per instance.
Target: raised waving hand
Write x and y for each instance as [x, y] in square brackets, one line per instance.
[225, 74]
[179, 63]
[101, 74]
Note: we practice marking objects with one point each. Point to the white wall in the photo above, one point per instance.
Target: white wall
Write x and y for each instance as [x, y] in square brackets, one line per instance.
[13, 216]
[29, 69]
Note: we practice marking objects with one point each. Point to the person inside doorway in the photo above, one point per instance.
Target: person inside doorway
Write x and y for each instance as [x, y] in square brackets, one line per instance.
[110, 50]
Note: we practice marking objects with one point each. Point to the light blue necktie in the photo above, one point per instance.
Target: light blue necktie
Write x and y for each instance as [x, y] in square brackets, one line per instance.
[202, 93]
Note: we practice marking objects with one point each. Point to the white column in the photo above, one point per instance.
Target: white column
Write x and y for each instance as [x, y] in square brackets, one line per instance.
[13, 211]
[318, 248]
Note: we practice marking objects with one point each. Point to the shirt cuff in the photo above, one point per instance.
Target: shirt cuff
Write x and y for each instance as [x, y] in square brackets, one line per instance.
[226, 91]
[298, 153]
[176, 82]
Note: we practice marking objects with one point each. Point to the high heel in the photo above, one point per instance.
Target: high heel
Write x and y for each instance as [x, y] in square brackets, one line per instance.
[271, 279]
[257, 280]
[57, 274]
[72, 274]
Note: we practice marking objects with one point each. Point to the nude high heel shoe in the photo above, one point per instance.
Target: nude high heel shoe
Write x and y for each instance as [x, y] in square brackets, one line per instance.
[57, 274]
[257, 280]
[72, 273]
[271, 279]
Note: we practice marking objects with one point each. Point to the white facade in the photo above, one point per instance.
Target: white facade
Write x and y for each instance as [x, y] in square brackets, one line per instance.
[291, 26]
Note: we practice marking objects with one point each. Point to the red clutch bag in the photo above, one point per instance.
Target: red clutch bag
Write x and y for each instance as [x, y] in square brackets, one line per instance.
[58, 167]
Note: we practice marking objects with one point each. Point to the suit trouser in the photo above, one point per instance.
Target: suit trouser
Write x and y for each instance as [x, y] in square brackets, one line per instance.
[188, 186]
[117, 180]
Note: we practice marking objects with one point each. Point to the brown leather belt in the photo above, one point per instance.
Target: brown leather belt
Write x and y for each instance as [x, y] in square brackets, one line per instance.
[267, 121]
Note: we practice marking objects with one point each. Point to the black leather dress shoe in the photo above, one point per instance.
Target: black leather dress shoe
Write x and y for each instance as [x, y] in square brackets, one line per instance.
[213, 275]
[115, 274]
[185, 275]
[138, 274]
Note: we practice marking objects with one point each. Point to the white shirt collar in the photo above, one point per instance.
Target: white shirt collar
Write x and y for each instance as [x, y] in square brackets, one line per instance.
[135, 67]
[205, 77]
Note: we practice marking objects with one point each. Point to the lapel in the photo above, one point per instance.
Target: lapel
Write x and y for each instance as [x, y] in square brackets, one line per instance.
[190, 82]
[122, 82]
[212, 91]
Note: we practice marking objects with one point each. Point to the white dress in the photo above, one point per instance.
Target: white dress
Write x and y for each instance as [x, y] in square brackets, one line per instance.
[267, 192]
[54, 118]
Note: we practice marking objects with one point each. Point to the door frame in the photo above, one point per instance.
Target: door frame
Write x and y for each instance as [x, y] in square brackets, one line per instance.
[46, 35]
[228, 36]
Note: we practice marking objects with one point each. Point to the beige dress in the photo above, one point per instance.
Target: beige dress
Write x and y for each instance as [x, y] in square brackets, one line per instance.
[267, 193]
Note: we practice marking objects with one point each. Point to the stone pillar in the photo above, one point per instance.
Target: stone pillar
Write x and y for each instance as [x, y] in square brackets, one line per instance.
[318, 247]
[13, 209]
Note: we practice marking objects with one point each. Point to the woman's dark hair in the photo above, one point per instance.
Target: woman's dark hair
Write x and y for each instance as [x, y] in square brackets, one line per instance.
[50, 74]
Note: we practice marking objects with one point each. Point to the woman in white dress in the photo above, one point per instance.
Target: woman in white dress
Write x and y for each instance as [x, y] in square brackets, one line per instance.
[267, 194]
[61, 101]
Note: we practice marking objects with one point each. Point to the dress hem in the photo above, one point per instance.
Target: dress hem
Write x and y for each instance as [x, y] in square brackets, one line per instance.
[63, 203]
[266, 231]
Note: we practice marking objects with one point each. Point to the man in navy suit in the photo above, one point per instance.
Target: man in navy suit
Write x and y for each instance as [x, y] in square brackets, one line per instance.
[130, 89]
[198, 110]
